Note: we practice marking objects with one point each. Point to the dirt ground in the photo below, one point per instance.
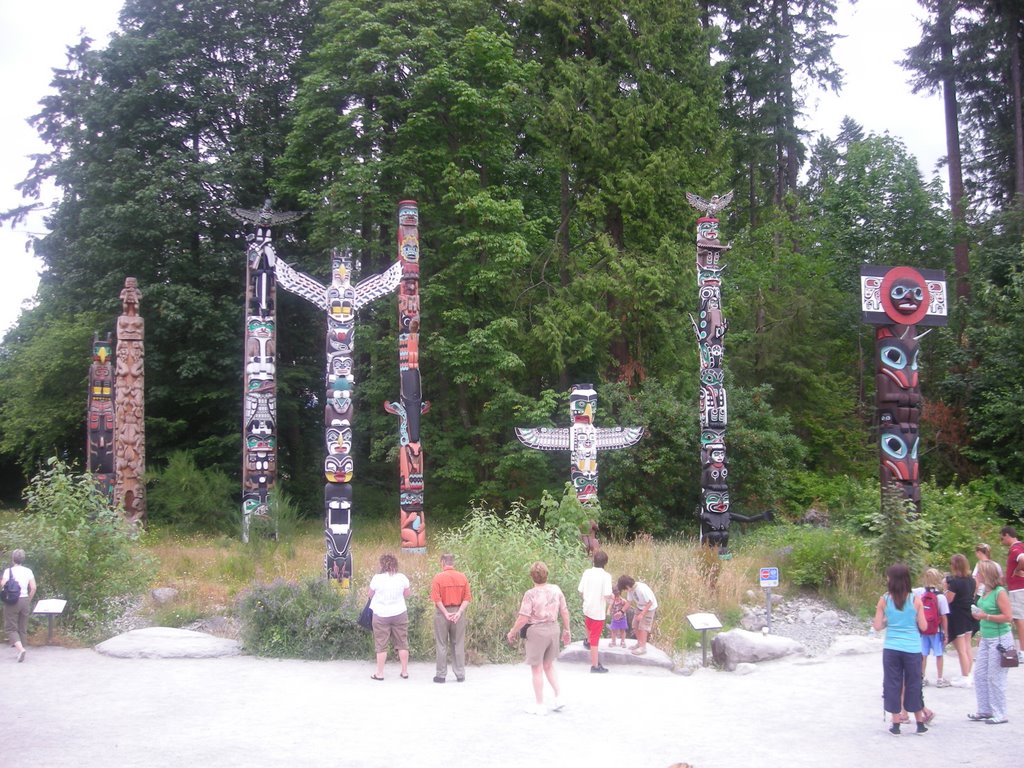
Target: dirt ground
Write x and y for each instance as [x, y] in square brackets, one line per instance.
[75, 707]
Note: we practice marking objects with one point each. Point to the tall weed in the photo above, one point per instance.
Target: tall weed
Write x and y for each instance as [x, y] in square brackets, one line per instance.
[78, 547]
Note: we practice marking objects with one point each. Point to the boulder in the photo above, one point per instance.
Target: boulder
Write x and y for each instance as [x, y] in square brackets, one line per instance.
[167, 643]
[164, 595]
[738, 646]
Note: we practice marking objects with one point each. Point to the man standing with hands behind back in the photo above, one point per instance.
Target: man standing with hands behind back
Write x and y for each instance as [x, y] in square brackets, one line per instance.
[449, 591]
[596, 589]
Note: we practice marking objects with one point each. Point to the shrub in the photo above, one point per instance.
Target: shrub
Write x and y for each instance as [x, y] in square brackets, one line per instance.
[957, 520]
[78, 547]
[495, 552]
[316, 619]
[310, 620]
[188, 497]
[902, 533]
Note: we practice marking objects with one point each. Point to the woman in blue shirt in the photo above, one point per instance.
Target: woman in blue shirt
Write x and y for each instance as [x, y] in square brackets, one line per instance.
[902, 616]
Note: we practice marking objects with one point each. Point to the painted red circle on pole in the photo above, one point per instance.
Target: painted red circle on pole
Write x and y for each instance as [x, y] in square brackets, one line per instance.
[903, 277]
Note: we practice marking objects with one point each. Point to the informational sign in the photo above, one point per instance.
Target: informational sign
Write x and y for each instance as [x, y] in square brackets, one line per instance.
[769, 577]
[704, 621]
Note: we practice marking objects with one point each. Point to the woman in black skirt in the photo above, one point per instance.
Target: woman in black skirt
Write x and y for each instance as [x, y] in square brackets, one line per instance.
[960, 588]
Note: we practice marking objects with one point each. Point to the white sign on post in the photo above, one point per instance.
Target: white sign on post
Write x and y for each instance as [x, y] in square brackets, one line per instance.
[769, 577]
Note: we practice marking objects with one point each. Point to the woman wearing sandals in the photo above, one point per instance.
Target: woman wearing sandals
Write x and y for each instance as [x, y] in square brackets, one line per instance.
[388, 590]
[902, 616]
[993, 610]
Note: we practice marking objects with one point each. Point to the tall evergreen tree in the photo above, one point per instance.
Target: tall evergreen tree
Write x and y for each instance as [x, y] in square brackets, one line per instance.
[151, 139]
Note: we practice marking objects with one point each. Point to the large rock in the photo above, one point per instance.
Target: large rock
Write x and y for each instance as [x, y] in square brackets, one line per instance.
[738, 646]
[168, 643]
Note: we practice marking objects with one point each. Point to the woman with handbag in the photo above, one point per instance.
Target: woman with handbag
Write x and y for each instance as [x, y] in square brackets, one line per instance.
[539, 613]
[388, 590]
[993, 610]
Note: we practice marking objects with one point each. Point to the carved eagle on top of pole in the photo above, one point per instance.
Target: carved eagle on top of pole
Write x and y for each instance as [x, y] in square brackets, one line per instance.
[709, 208]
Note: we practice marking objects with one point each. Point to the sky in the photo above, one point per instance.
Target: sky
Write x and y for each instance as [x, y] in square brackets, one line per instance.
[35, 33]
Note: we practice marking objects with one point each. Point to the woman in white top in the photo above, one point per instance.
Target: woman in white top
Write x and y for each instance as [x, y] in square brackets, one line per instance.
[16, 616]
[388, 590]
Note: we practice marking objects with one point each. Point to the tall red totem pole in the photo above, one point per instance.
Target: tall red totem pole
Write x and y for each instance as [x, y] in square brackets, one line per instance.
[897, 300]
[410, 406]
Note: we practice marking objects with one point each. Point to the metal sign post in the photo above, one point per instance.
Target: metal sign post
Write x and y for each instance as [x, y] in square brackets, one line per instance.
[769, 579]
[704, 622]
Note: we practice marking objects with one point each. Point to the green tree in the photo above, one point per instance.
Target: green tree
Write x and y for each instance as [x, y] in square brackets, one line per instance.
[151, 139]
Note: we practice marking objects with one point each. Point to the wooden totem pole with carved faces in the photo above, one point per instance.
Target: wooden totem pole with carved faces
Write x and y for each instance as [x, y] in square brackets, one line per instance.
[897, 300]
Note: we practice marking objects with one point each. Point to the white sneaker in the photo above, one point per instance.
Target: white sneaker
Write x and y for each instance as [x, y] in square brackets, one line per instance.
[925, 683]
[963, 682]
[942, 683]
[557, 705]
[536, 709]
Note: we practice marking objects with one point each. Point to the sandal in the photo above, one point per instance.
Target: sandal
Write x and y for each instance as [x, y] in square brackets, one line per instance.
[374, 677]
[404, 675]
[978, 718]
[929, 716]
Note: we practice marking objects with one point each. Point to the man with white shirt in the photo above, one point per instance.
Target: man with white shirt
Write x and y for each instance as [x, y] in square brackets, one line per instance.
[596, 590]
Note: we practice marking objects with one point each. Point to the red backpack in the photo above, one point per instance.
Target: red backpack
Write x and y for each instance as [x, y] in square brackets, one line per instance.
[930, 603]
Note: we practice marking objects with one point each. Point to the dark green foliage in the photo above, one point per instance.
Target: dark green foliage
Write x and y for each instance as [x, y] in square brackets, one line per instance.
[312, 620]
[317, 620]
[42, 403]
[902, 533]
[78, 547]
[495, 550]
[192, 498]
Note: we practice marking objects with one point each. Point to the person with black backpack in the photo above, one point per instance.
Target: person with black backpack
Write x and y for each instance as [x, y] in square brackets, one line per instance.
[16, 613]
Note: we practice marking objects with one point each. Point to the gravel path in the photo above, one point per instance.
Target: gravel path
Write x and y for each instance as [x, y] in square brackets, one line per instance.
[79, 709]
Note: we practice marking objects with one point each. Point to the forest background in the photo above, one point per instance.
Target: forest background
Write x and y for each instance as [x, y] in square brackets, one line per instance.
[549, 145]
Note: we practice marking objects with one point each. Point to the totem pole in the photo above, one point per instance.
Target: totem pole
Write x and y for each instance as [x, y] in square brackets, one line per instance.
[100, 444]
[583, 439]
[259, 387]
[710, 328]
[129, 407]
[340, 301]
[409, 407]
[897, 300]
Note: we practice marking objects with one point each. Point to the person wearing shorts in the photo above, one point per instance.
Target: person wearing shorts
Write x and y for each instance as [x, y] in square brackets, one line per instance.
[388, 590]
[646, 604]
[1015, 580]
[596, 590]
[539, 612]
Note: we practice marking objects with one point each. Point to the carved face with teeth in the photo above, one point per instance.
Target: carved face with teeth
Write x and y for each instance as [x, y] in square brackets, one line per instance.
[907, 295]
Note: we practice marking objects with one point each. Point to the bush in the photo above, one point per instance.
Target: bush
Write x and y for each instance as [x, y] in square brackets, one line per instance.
[902, 533]
[316, 619]
[957, 521]
[78, 547]
[495, 552]
[193, 499]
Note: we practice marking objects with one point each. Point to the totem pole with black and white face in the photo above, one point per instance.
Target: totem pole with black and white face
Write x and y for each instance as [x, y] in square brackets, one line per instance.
[582, 439]
[259, 383]
[340, 301]
[410, 405]
[897, 300]
[710, 327]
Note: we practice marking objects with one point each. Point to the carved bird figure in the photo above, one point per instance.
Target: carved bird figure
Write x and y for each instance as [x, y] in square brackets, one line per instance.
[709, 207]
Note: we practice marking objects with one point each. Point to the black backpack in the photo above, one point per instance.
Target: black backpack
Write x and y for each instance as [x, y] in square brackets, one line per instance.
[11, 592]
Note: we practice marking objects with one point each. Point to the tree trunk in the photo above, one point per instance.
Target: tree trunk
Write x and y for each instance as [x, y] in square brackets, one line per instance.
[961, 257]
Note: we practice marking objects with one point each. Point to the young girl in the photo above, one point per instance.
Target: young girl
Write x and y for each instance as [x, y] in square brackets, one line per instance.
[617, 629]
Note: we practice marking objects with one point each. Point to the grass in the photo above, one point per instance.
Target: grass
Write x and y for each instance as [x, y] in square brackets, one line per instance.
[210, 572]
